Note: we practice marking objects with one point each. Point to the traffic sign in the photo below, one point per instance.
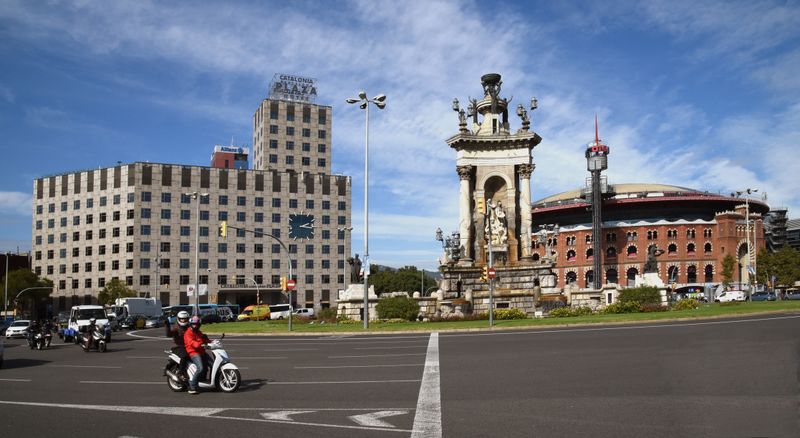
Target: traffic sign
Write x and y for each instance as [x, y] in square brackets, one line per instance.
[290, 284]
[491, 273]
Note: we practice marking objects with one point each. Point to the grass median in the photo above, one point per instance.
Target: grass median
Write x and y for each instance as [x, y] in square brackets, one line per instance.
[713, 310]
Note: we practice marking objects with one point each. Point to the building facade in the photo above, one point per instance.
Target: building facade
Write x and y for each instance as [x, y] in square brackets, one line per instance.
[695, 229]
[230, 157]
[138, 223]
[289, 135]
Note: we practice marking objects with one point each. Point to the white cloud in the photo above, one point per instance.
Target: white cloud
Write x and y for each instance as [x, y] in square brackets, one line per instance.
[16, 203]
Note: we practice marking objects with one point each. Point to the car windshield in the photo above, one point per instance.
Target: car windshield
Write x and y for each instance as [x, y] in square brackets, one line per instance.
[92, 313]
[20, 324]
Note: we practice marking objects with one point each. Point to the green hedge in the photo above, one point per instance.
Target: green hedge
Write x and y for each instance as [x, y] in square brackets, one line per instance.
[564, 312]
[641, 295]
[397, 307]
[689, 304]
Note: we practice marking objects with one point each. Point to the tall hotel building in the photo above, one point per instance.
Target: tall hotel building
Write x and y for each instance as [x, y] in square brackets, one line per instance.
[139, 223]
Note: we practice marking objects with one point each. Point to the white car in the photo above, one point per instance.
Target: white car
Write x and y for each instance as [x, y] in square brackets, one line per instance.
[18, 328]
[304, 313]
[731, 295]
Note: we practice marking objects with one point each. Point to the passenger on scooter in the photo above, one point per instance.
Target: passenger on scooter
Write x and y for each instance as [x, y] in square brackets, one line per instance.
[177, 332]
[33, 328]
[194, 340]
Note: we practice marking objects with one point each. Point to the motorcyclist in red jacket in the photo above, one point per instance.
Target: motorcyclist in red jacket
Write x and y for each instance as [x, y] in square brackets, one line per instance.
[194, 341]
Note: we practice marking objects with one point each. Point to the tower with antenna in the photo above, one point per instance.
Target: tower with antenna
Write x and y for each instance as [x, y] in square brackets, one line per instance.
[596, 163]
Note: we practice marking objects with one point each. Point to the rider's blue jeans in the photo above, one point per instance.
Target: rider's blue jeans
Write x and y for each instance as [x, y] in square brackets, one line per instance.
[198, 362]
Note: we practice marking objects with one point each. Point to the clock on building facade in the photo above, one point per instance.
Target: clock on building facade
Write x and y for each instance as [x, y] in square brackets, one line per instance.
[301, 226]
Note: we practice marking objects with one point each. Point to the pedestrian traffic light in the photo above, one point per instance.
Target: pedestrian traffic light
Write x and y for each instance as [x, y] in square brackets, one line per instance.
[223, 229]
[485, 274]
[283, 283]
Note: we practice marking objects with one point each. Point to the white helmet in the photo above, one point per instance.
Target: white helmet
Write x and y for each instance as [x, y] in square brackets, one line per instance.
[183, 318]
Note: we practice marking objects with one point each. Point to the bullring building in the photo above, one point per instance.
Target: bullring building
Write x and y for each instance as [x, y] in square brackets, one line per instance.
[139, 223]
[696, 230]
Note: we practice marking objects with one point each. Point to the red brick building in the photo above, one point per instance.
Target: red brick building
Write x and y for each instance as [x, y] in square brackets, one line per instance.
[695, 229]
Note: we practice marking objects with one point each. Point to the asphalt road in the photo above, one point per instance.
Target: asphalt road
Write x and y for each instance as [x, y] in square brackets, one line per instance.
[723, 378]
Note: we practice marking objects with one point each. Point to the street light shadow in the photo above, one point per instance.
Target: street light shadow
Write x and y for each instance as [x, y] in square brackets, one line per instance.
[23, 363]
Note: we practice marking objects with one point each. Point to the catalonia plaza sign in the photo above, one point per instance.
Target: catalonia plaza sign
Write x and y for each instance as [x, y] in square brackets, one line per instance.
[289, 87]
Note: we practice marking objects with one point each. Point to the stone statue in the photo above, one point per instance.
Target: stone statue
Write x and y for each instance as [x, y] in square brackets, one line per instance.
[496, 228]
[355, 269]
[473, 110]
[651, 265]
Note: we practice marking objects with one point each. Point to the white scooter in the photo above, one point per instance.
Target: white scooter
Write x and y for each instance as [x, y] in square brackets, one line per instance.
[223, 375]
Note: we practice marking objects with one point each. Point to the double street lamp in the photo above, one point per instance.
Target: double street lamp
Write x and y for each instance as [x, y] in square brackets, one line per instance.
[363, 103]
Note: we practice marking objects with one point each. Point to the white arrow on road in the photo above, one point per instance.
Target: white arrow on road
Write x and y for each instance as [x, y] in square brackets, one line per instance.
[282, 415]
[374, 419]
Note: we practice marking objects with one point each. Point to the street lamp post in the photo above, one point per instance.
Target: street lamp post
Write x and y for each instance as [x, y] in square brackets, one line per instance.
[751, 252]
[156, 281]
[363, 103]
[258, 296]
[5, 289]
[196, 196]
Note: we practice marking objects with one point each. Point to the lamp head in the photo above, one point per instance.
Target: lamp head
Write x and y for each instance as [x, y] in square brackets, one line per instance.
[363, 104]
[380, 105]
[438, 234]
[352, 100]
[362, 95]
[456, 108]
[520, 110]
[379, 98]
[534, 103]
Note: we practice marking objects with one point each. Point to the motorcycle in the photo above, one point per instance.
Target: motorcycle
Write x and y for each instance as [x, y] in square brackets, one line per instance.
[39, 339]
[219, 374]
[96, 340]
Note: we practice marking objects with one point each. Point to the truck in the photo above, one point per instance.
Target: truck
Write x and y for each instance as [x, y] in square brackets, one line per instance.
[79, 318]
[125, 307]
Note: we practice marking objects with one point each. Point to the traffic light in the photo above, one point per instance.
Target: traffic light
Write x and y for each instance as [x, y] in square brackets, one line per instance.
[283, 283]
[480, 205]
[485, 274]
[223, 229]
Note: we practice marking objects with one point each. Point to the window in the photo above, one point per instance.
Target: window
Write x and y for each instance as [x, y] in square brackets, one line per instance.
[76, 205]
[131, 197]
[289, 159]
[276, 202]
[273, 158]
[144, 263]
[184, 263]
[186, 231]
[273, 144]
[322, 134]
[259, 201]
[241, 216]
[240, 248]
[289, 145]
[146, 197]
[165, 230]
[259, 217]
[320, 162]
[290, 130]
[223, 200]
[309, 204]
[342, 205]
[222, 216]
[166, 198]
[306, 132]
[707, 248]
[306, 147]
[204, 215]
[89, 203]
[166, 214]
[144, 246]
[321, 148]
[222, 264]
[186, 198]
[273, 129]
[306, 161]
[186, 214]
[293, 203]
[241, 200]
[184, 247]
[310, 249]
[222, 247]
[309, 264]
[145, 214]
[239, 263]
[103, 199]
[276, 218]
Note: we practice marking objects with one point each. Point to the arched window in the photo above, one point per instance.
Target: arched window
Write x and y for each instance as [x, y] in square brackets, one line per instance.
[709, 274]
[672, 274]
[571, 255]
[707, 247]
[672, 249]
[690, 248]
[631, 251]
[631, 276]
[612, 276]
[590, 254]
[571, 277]
[589, 279]
[611, 252]
[691, 274]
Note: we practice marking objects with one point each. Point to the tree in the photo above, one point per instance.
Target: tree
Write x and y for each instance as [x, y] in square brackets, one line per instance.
[728, 263]
[114, 289]
[21, 279]
[405, 279]
[784, 265]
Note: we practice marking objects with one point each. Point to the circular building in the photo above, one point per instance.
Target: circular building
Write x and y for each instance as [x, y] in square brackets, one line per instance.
[695, 229]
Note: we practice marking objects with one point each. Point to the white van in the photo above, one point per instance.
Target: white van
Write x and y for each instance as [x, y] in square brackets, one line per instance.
[731, 295]
[304, 313]
[279, 311]
[79, 319]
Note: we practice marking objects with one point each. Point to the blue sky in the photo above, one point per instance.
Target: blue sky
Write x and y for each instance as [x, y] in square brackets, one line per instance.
[698, 94]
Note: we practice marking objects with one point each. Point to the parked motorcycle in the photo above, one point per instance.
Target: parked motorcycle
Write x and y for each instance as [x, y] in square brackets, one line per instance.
[219, 374]
[96, 340]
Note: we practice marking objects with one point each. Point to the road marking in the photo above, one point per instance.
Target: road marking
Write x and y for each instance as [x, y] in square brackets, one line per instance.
[428, 418]
[15, 380]
[119, 382]
[376, 355]
[360, 366]
[83, 366]
[389, 347]
[237, 357]
[206, 413]
[373, 419]
[282, 415]
[291, 349]
[343, 382]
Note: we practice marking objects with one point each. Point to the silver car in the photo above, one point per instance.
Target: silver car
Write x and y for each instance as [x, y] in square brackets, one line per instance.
[18, 328]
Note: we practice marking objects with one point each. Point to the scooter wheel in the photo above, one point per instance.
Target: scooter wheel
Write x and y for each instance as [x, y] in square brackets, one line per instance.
[102, 347]
[229, 380]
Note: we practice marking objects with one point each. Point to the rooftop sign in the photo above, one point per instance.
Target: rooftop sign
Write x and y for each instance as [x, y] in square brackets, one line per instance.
[296, 88]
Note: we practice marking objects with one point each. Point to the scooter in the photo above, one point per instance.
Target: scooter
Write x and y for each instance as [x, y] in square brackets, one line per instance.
[39, 339]
[220, 373]
[96, 340]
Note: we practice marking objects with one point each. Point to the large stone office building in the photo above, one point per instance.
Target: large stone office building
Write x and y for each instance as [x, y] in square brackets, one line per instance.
[138, 223]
